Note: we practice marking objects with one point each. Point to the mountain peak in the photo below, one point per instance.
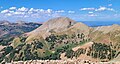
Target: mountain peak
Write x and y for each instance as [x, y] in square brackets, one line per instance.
[53, 25]
[107, 29]
[5, 22]
[60, 20]
[56, 24]
[115, 25]
[20, 22]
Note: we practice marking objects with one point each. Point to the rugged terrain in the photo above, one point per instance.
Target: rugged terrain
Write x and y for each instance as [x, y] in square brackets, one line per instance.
[61, 39]
[10, 30]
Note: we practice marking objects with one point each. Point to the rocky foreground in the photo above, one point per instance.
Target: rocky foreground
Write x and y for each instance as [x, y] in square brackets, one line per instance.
[61, 62]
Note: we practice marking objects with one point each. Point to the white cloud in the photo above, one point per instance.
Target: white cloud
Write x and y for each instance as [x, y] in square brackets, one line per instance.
[26, 16]
[90, 12]
[92, 15]
[59, 11]
[101, 8]
[8, 14]
[109, 4]
[104, 8]
[31, 12]
[87, 9]
[110, 9]
[35, 15]
[41, 10]
[49, 10]
[31, 9]
[12, 8]
[11, 11]
[22, 13]
[45, 14]
[71, 11]
[22, 9]
[5, 11]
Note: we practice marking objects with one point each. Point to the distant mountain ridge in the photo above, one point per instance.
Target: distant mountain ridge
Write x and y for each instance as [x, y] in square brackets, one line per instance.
[10, 30]
[99, 23]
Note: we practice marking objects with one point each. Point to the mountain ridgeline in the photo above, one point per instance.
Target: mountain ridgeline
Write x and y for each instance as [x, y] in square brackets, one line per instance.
[63, 38]
[10, 30]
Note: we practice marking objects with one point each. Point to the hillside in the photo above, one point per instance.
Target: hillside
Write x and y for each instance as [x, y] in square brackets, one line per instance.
[10, 30]
[51, 26]
[65, 36]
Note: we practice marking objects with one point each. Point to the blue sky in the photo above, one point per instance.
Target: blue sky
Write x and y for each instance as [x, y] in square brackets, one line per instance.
[42, 10]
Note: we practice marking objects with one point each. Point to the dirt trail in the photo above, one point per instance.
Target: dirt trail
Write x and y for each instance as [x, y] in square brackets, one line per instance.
[1, 47]
[86, 45]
